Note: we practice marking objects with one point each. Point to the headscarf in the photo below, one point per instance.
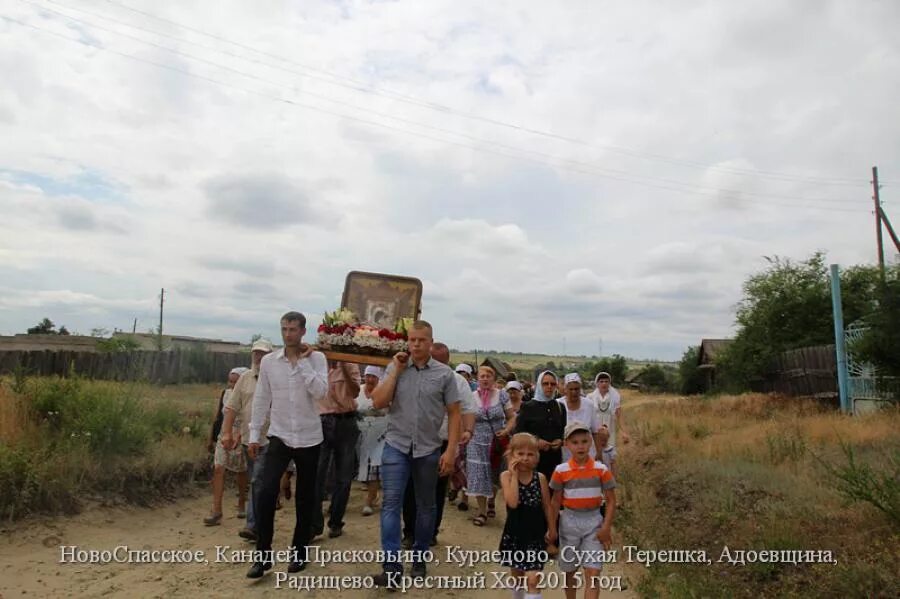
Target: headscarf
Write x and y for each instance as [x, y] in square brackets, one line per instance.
[374, 371]
[601, 403]
[485, 394]
[539, 390]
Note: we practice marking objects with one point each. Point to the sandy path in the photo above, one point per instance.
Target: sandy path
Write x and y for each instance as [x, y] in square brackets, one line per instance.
[30, 554]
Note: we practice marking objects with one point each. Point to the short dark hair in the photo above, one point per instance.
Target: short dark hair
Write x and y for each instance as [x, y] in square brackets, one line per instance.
[423, 324]
[295, 317]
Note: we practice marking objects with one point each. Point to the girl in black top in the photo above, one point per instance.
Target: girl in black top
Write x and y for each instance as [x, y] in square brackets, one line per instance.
[527, 496]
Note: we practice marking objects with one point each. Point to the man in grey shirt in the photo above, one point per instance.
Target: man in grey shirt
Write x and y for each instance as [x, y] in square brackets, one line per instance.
[418, 390]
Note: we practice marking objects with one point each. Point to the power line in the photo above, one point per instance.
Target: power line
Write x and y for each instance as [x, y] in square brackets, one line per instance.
[364, 87]
[397, 129]
[614, 174]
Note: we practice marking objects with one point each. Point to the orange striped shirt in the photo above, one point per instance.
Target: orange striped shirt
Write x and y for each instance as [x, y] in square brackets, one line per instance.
[582, 486]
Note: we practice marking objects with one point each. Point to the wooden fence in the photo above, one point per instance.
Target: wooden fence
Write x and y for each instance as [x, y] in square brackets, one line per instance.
[167, 367]
[808, 371]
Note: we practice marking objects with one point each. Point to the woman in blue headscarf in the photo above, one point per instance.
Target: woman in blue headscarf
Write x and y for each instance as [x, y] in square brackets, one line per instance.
[544, 418]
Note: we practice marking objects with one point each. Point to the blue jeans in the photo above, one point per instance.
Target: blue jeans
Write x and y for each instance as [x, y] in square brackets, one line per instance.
[396, 470]
[255, 468]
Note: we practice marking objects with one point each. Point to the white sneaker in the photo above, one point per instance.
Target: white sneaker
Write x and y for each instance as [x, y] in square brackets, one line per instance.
[368, 511]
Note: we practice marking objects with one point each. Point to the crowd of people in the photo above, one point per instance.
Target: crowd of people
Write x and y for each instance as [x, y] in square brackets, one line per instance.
[422, 435]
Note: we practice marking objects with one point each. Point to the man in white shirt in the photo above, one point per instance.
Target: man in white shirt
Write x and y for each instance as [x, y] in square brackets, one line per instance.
[292, 382]
[238, 410]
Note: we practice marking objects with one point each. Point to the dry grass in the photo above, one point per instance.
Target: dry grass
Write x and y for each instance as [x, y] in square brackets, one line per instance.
[14, 422]
[747, 472]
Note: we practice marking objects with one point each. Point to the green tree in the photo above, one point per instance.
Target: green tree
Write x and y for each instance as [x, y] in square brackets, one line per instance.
[616, 365]
[46, 327]
[788, 306]
[655, 378]
[881, 343]
[690, 379]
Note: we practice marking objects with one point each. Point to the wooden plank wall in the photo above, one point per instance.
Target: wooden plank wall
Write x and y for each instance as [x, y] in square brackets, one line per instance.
[808, 371]
[168, 367]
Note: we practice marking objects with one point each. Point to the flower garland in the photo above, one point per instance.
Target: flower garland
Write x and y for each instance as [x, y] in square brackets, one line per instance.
[340, 330]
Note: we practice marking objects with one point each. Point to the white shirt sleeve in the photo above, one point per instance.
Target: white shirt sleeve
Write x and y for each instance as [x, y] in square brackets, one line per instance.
[314, 372]
[467, 400]
[595, 416]
[615, 400]
[262, 403]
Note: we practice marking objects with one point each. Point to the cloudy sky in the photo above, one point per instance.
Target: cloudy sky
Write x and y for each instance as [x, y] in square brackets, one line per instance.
[577, 173]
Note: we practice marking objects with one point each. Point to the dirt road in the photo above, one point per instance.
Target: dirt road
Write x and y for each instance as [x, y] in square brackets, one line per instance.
[30, 554]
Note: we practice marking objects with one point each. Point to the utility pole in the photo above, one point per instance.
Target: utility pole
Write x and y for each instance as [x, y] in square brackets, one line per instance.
[840, 342]
[887, 223]
[162, 299]
[134, 327]
[878, 233]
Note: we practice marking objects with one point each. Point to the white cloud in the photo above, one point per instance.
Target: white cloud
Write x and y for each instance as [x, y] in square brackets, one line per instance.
[242, 205]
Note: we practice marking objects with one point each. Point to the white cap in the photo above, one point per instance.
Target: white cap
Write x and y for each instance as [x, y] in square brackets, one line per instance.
[572, 377]
[374, 371]
[238, 370]
[464, 368]
[514, 385]
[261, 344]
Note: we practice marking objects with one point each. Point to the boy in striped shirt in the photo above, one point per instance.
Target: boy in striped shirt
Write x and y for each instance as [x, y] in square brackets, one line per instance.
[579, 487]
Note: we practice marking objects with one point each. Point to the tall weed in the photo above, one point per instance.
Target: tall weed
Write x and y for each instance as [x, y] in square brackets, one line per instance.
[858, 481]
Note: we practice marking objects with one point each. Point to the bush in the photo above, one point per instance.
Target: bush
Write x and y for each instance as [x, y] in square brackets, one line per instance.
[108, 421]
[124, 343]
[859, 482]
[690, 379]
[93, 437]
[656, 378]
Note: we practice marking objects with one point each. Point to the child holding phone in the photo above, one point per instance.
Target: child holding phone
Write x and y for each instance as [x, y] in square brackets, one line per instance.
[527, 497]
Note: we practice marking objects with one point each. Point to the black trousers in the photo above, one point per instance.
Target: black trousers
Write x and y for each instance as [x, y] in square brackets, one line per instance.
[409, 503]
[338, 448]
[278, 456]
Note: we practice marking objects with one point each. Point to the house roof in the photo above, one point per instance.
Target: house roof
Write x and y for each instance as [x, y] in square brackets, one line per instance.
[709, 349]
[501, 368]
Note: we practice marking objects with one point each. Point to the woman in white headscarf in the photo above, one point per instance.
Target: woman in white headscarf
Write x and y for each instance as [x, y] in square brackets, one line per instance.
[372, 431]
[609, 406]
[544, 418]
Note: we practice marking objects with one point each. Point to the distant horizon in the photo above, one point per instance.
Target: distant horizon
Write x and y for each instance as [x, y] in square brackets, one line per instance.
[591, 357]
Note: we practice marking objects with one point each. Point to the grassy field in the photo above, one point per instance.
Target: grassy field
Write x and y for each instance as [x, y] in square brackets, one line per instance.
[528, 362]
[66, 441]
[757, 472]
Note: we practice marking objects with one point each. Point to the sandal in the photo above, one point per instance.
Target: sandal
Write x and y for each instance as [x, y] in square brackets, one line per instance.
[463, 506]
[452, 495]
[479, 520]
[213, 519]
[491, 511]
